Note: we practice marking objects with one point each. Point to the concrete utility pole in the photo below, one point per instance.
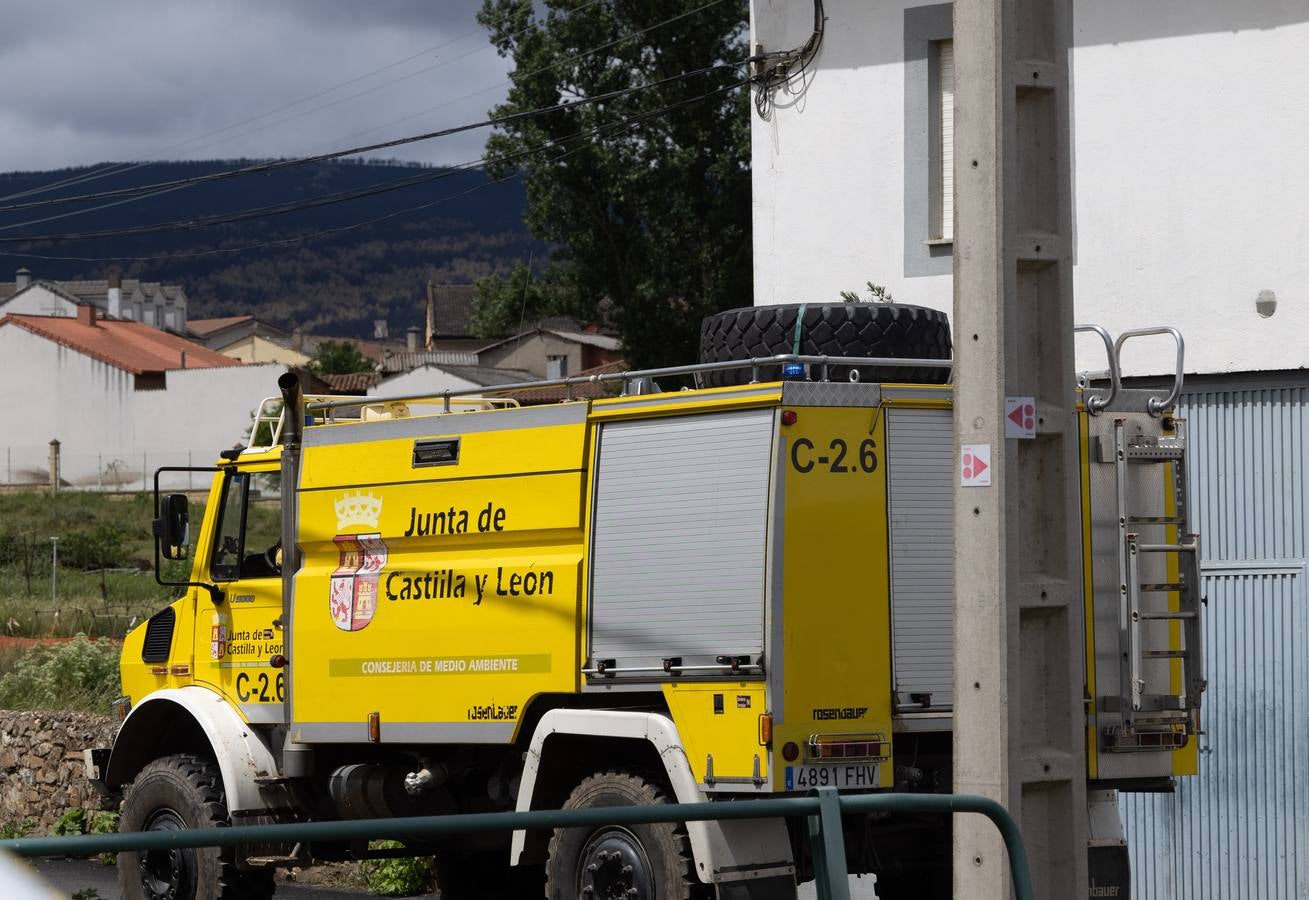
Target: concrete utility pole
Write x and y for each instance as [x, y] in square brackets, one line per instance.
[1019, 724]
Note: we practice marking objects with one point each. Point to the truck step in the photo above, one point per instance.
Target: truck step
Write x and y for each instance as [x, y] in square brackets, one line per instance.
[1168, 548]
[1161, 718]
[1144, 741]
[1158, 520]
[1155, 454]
[264, 862]
[1163, 587]
[1164, 654]
[1170, 615]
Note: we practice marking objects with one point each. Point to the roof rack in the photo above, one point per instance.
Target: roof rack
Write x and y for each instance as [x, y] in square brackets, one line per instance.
[635, 380]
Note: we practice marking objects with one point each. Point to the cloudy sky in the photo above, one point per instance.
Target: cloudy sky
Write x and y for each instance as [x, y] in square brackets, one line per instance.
[89, 82]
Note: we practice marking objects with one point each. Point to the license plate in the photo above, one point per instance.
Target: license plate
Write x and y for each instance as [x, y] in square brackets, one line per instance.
[853, 775]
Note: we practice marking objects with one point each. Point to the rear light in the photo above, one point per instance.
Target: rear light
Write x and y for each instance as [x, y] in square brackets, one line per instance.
[120, 708]
[180, 670]
[788, 417]
[794, 371]
[832, 747]
[375, 727]
[765, 729]
[159, 670]
[790, 751]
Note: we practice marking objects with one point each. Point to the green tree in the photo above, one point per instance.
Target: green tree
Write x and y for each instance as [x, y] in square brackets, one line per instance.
[503, 305]
[652, 215]
[339, 358]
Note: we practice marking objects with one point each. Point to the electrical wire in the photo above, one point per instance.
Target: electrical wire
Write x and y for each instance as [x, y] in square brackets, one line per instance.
[115, 169]
[297, 206]
[547, 145]
[509, 81]
[777, 71]
[143, 191]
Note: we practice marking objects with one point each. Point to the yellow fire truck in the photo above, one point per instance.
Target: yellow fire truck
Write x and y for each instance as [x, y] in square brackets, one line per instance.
[738, 589]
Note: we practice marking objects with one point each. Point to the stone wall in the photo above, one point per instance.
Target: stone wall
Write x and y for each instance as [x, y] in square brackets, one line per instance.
[41, 768]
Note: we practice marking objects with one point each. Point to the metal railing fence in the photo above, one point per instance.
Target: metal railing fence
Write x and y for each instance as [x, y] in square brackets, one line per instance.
[824, 811]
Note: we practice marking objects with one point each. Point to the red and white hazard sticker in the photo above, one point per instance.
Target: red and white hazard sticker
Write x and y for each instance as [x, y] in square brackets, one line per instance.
[975, 465]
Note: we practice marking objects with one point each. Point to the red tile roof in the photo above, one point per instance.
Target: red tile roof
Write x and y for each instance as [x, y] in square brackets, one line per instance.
[132, 346]
[352, 382]
[205, 327]
[590, 390]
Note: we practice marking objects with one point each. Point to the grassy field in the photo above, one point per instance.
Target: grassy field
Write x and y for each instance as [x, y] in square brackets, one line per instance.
[103, 587]
[104, 583]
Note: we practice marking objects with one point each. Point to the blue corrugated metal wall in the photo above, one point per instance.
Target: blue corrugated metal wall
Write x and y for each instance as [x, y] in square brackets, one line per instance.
[1241, 827]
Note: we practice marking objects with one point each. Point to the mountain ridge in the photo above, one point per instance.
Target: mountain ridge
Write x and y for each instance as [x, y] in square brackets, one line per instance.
[370, 259]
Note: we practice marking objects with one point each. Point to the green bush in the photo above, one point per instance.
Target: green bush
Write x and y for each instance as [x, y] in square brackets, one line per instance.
[13, 548]
[101, 547]
[72, 821]
[80, 820]
[80, 674]
[15, 829]
[398, 877]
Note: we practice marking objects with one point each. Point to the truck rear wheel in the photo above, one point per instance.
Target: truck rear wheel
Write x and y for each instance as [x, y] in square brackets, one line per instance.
[178, 793]
[889, 330]
[640, 862]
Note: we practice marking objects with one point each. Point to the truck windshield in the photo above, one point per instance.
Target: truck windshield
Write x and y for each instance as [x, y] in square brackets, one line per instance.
[248, 542]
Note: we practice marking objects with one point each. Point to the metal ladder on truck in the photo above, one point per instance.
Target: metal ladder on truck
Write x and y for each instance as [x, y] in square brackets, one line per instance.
[1157, 715]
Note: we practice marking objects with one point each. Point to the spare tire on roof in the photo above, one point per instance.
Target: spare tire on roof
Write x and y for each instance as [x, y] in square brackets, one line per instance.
[889, 330]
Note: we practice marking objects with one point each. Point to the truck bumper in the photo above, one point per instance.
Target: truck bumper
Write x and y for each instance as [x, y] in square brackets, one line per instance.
[96, 759]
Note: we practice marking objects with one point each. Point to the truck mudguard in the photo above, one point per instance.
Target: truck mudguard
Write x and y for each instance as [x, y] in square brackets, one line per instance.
[728, 851]
[166, 716]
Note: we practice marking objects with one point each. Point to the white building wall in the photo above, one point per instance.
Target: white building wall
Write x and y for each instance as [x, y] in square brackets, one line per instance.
[37, 301]
[111, 434]
[1189, 127]
[203, 411]
[423, 380]
[53, 392]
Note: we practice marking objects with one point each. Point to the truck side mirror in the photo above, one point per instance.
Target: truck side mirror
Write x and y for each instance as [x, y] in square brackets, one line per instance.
[172, 528]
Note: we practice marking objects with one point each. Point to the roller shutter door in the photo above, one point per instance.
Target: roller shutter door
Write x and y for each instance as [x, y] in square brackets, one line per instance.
[920, 468]
[679, 538]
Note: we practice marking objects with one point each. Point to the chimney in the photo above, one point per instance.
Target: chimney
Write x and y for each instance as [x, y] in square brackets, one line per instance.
[297, 338]
[22, 278]
[86, 314]
[380, 330]
[411, 338]
[114, 304]
[429, 331]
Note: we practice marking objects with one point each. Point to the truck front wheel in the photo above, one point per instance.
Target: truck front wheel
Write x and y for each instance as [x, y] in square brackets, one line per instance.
[178, 793]
[634, 862]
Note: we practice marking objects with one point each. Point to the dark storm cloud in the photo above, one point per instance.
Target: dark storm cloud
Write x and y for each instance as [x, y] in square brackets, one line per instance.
[88, 82]
[455, 15]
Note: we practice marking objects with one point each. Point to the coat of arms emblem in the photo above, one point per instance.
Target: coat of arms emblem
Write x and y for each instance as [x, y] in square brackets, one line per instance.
[352, 597]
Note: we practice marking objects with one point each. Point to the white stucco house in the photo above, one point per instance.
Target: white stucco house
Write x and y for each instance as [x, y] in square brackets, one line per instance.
[159, 305]
[247, 338]
[1190, 193]
[1191, 208]
[121, 397]
[433, 378]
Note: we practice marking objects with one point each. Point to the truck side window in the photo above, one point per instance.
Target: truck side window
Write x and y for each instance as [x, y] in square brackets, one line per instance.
[248, 535]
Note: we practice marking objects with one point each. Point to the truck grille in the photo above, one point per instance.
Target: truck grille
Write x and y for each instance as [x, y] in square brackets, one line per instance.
[158, 636]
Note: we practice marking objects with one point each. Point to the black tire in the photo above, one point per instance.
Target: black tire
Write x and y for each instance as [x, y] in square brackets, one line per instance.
[828, 329]
[659, 856]
[178, 793]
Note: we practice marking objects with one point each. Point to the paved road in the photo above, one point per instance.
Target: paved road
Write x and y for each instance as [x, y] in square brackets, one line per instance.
[70, 875]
